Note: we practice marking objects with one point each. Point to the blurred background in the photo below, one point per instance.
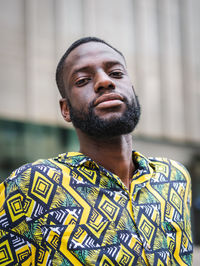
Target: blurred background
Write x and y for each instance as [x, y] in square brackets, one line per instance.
[160, 40]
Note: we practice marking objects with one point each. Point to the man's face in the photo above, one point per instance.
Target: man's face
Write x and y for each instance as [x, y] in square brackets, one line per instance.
[100, 95]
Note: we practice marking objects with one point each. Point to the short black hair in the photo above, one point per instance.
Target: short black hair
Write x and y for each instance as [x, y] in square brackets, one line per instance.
[59, 69]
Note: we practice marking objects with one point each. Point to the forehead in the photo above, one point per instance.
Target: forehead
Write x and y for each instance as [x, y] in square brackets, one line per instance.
[91, 53]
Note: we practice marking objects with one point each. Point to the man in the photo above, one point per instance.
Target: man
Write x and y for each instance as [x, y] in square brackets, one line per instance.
[106, 204]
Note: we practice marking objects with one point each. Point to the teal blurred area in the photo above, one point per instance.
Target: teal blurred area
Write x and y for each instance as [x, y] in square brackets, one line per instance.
[22, 142]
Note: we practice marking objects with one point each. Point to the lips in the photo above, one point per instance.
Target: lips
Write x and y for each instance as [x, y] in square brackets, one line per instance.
[108, 97]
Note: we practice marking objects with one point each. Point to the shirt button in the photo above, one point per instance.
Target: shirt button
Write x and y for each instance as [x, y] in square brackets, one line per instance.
[148, 246]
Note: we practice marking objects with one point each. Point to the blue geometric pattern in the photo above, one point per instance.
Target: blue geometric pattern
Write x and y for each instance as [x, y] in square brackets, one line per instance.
[71, 211]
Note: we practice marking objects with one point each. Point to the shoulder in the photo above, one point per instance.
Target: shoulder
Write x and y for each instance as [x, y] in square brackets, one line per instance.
[32, 187]
[42, 173]
[171, 168]
[24, 171]
[174, 177]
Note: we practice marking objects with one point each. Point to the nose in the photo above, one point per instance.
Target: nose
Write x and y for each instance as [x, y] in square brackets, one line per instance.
[103, 82]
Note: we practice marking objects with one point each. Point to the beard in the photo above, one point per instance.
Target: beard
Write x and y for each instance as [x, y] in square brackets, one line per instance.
[94, 126]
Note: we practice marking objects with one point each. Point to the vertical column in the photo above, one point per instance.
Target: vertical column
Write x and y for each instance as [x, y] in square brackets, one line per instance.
[12, 91]
[90, 13]
[68, 23]
[191, 61]
[170, 69]
[40, 59]
[147, 68]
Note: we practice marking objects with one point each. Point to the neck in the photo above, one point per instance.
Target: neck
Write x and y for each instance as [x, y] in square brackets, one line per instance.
[114, 154]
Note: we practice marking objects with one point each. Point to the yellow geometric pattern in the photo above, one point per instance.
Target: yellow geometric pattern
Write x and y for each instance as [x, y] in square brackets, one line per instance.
[147, 228]
[22, 253]
[125, 257]
[71, 211]
[105, 261]
[6, 256]
[42, 187]
[15, 208]
[96, 225]
[108, 208]
[175, 200]
[89, 174]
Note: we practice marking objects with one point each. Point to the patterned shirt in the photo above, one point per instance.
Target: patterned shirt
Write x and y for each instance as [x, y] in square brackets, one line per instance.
[71, 211]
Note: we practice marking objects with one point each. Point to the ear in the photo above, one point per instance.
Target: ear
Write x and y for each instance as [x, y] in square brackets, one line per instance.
[65, 109]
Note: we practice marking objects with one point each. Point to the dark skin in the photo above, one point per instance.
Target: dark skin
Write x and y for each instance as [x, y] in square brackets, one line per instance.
[94, 71]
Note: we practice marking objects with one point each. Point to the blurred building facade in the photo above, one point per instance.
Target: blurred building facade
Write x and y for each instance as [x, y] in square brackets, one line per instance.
[159, 38]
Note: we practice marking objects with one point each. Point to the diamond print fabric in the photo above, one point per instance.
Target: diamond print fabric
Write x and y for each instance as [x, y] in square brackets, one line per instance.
[71, 211]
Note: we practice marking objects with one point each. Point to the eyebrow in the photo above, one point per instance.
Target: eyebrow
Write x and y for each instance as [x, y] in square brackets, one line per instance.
[82, 69]
[87, 68]
[113, 63]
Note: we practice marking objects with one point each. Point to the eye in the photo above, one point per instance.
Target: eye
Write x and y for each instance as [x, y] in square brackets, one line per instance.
[117, 74]
[82, 82]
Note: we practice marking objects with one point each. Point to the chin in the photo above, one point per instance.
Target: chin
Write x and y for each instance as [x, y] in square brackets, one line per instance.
[110, 116]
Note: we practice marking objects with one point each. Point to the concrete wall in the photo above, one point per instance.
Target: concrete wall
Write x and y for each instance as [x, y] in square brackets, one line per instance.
[160, 39]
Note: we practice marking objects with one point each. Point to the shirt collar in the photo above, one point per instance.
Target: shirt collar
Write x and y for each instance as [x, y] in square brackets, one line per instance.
[143, 162]
[74, 159]
[77, 159]
[143, 173]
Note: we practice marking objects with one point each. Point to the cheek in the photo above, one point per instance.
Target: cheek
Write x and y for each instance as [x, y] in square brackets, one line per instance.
[127, 90]
[81, 100]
